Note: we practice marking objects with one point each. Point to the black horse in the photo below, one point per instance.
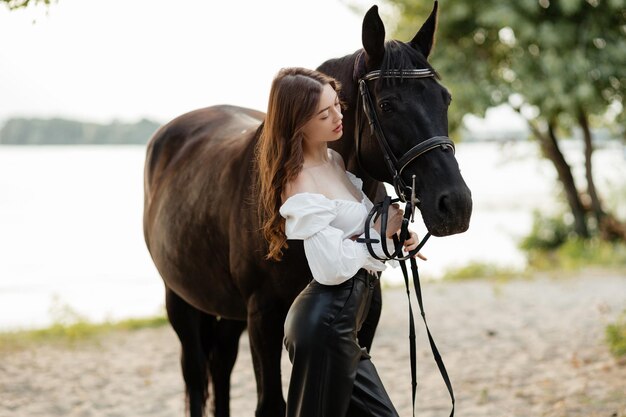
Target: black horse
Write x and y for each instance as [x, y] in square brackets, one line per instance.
[200, 222]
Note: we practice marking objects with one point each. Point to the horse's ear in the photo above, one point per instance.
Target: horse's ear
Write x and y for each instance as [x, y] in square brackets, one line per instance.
[373, 36]
[425, 37]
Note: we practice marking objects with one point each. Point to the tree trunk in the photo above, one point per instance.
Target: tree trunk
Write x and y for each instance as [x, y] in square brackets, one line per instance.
[596, 204]
[609, 227]
[550, 149]
[553, 152]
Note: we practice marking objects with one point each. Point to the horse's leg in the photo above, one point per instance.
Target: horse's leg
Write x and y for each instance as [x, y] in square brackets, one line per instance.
[194, 329]
[368, 329]
[221, 361]
[265, 330]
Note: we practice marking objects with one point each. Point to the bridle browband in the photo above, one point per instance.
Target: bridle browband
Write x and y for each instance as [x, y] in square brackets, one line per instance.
[396, 166]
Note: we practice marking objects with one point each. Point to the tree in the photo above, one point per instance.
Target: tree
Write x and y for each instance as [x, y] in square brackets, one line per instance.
[559, 63]
[19, 131]
[18, 4]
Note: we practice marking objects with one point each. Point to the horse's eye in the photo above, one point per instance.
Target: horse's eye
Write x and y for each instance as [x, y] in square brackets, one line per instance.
[385, 106]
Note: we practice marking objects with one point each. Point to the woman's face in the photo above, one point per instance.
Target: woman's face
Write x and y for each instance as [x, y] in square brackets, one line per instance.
[325, 125]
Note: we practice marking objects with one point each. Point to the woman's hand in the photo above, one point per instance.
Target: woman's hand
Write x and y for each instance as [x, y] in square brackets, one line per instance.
[411, 243]
[394, 220]
[394, 223]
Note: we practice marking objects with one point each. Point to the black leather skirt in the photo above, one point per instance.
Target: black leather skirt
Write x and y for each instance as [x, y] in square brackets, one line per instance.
[332, 376]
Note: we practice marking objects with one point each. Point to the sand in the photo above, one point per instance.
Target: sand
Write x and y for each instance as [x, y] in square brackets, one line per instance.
[523, 348]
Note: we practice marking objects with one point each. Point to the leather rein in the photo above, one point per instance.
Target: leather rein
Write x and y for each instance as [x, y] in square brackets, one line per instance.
[405, 194]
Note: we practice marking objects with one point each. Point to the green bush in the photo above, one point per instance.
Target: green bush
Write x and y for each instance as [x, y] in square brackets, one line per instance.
[547, 233]
[616, 336]
[552, 244]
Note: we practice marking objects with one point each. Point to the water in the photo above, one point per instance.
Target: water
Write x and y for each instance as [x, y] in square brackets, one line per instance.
[71, 225]
[71, 234]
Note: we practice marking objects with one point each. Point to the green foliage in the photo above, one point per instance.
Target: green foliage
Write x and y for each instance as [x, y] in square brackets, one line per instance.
[19, 4]
[20, 131]
[559, 56]
[547, 233]
[615, 335]
[552, 244]
[482, 270]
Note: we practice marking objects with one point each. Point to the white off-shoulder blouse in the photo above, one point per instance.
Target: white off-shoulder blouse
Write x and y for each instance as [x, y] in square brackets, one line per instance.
[326, 225]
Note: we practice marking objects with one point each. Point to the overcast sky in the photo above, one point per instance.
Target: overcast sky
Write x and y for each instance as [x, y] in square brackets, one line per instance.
[103, 60]
[128, 59]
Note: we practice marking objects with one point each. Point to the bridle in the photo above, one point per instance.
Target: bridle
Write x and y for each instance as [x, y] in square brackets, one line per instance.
[396, 166]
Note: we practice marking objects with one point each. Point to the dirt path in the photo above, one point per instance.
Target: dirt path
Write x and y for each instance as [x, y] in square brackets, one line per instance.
[524, 348]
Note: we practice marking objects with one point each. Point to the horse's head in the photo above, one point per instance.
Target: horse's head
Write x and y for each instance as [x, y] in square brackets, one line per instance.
[406, 109]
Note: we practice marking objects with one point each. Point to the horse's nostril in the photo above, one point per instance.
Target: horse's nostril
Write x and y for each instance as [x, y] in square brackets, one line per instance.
[444, 204]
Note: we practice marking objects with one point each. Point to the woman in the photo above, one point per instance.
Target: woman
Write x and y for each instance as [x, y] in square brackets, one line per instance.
[306, 193]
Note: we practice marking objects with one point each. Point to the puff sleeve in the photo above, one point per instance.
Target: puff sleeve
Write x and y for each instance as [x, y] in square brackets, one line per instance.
[332, 257]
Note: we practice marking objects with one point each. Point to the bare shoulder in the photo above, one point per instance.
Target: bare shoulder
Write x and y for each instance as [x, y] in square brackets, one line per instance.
[308, 180]
[303, 183]
[337, 158]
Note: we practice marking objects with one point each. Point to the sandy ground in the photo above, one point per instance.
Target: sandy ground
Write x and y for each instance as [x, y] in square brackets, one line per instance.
[523, 348]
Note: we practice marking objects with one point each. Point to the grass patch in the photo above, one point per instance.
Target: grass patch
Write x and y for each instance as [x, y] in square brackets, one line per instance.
[482, 270]
[77, 331]
[553, 245]
[575, 254]
[70, 326]
[615, 335]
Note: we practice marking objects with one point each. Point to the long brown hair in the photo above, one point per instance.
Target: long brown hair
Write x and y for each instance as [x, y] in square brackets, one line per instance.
[293, 100]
